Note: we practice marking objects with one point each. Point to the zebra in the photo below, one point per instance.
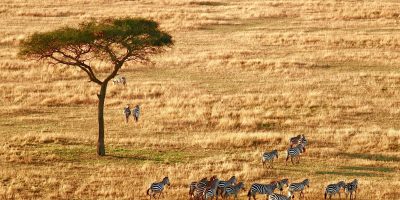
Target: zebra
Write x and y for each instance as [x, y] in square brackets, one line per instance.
[295, 140]
[275, 196]
[223, 184]
[303, 141]
[233, 190]
[333, 189]
[157, 188]
[127, 112]
[267, 189]
[136, 112]
[294, 152]
[118, 80]
[269, 157]
[350, 188]
[283, 182]
[298, 187]
[211, 190]
[201, 187]
[195, 184]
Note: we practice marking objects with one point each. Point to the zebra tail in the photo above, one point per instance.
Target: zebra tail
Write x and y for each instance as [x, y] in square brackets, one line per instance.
[147, 192]
[249, 193]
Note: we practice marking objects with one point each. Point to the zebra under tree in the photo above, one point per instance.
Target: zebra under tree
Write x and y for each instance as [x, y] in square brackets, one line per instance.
[114, 41]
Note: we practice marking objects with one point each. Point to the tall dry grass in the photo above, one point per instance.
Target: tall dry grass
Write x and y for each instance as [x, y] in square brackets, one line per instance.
[242, 78]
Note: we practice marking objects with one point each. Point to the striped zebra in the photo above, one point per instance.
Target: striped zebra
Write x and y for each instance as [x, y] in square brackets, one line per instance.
[298, 187]
[127, 112]
[136, 112]
[233, 190]
[157, 188]
[303, 141]
[201, 187]
[294, 152]
[266, 189]
[275, 196]
[119, 80]
[269, 157]
[283, 182]
[211, 191]
[223, 184]
[194, 185]
[333, 189]
[295, 140]
[350, 188]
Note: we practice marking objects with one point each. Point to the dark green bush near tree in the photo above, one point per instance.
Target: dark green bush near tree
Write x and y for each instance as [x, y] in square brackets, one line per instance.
[115, 41]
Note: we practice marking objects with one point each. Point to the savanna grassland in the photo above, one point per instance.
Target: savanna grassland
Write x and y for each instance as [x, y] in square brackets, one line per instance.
[242, 78]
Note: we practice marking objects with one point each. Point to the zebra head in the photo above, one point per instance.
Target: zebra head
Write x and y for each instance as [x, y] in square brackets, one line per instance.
[232, 180]
[284, 182]
[166, 181]
[240, 185]
[306, 182]
[301, 148]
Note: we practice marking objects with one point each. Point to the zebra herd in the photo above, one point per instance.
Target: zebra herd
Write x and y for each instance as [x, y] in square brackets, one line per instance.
[206, 189]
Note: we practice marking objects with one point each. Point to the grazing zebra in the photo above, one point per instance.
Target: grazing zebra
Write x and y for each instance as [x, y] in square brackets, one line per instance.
[350, 188]
[269, 157]
[211, 191]
[157, 188]
[223, 184]
[333, 189]
[233, 190]
[275, 196]
[118, 80]
[136, 112]
[195, 184]
[298, 187]
[127, 112]
[262, 189]
[294, 152]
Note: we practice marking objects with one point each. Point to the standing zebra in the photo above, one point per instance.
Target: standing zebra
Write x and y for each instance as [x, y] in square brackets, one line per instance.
[275, 196]
[127, 112]
[303, 141]
[136, 112]
[295, 140]
[298, 187]
[283, 182]
[350, 188]
[269, 157]
[266, 189]
[211, 191]
[333, 189]
[157, 188]
[195, 184]
[233, 190]
[201, 187]
[223, 184]
[294, 152]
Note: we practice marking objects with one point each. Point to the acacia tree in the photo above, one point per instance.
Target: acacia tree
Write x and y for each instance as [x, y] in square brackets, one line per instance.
[114, 41]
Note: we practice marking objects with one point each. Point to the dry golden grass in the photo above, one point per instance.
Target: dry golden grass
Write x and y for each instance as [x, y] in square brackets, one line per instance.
[242, 78]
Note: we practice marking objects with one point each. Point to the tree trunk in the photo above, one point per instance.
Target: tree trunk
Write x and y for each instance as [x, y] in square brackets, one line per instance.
[101, 149]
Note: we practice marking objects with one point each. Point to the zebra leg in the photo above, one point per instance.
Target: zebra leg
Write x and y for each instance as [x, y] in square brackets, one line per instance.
[291, 159]
[287, 158]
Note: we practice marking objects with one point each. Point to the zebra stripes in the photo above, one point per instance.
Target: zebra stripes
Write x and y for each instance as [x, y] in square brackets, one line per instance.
[282, 183]
[201, 187]
[223, 184]
[233, 190]
[351, 187]
[211, 191]
[269, 157]
[192, 187]
[298, 187]
[333, 189]
[294, 152]
[295, 140]
[157, 188]
[267, 189]
[275, 196]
